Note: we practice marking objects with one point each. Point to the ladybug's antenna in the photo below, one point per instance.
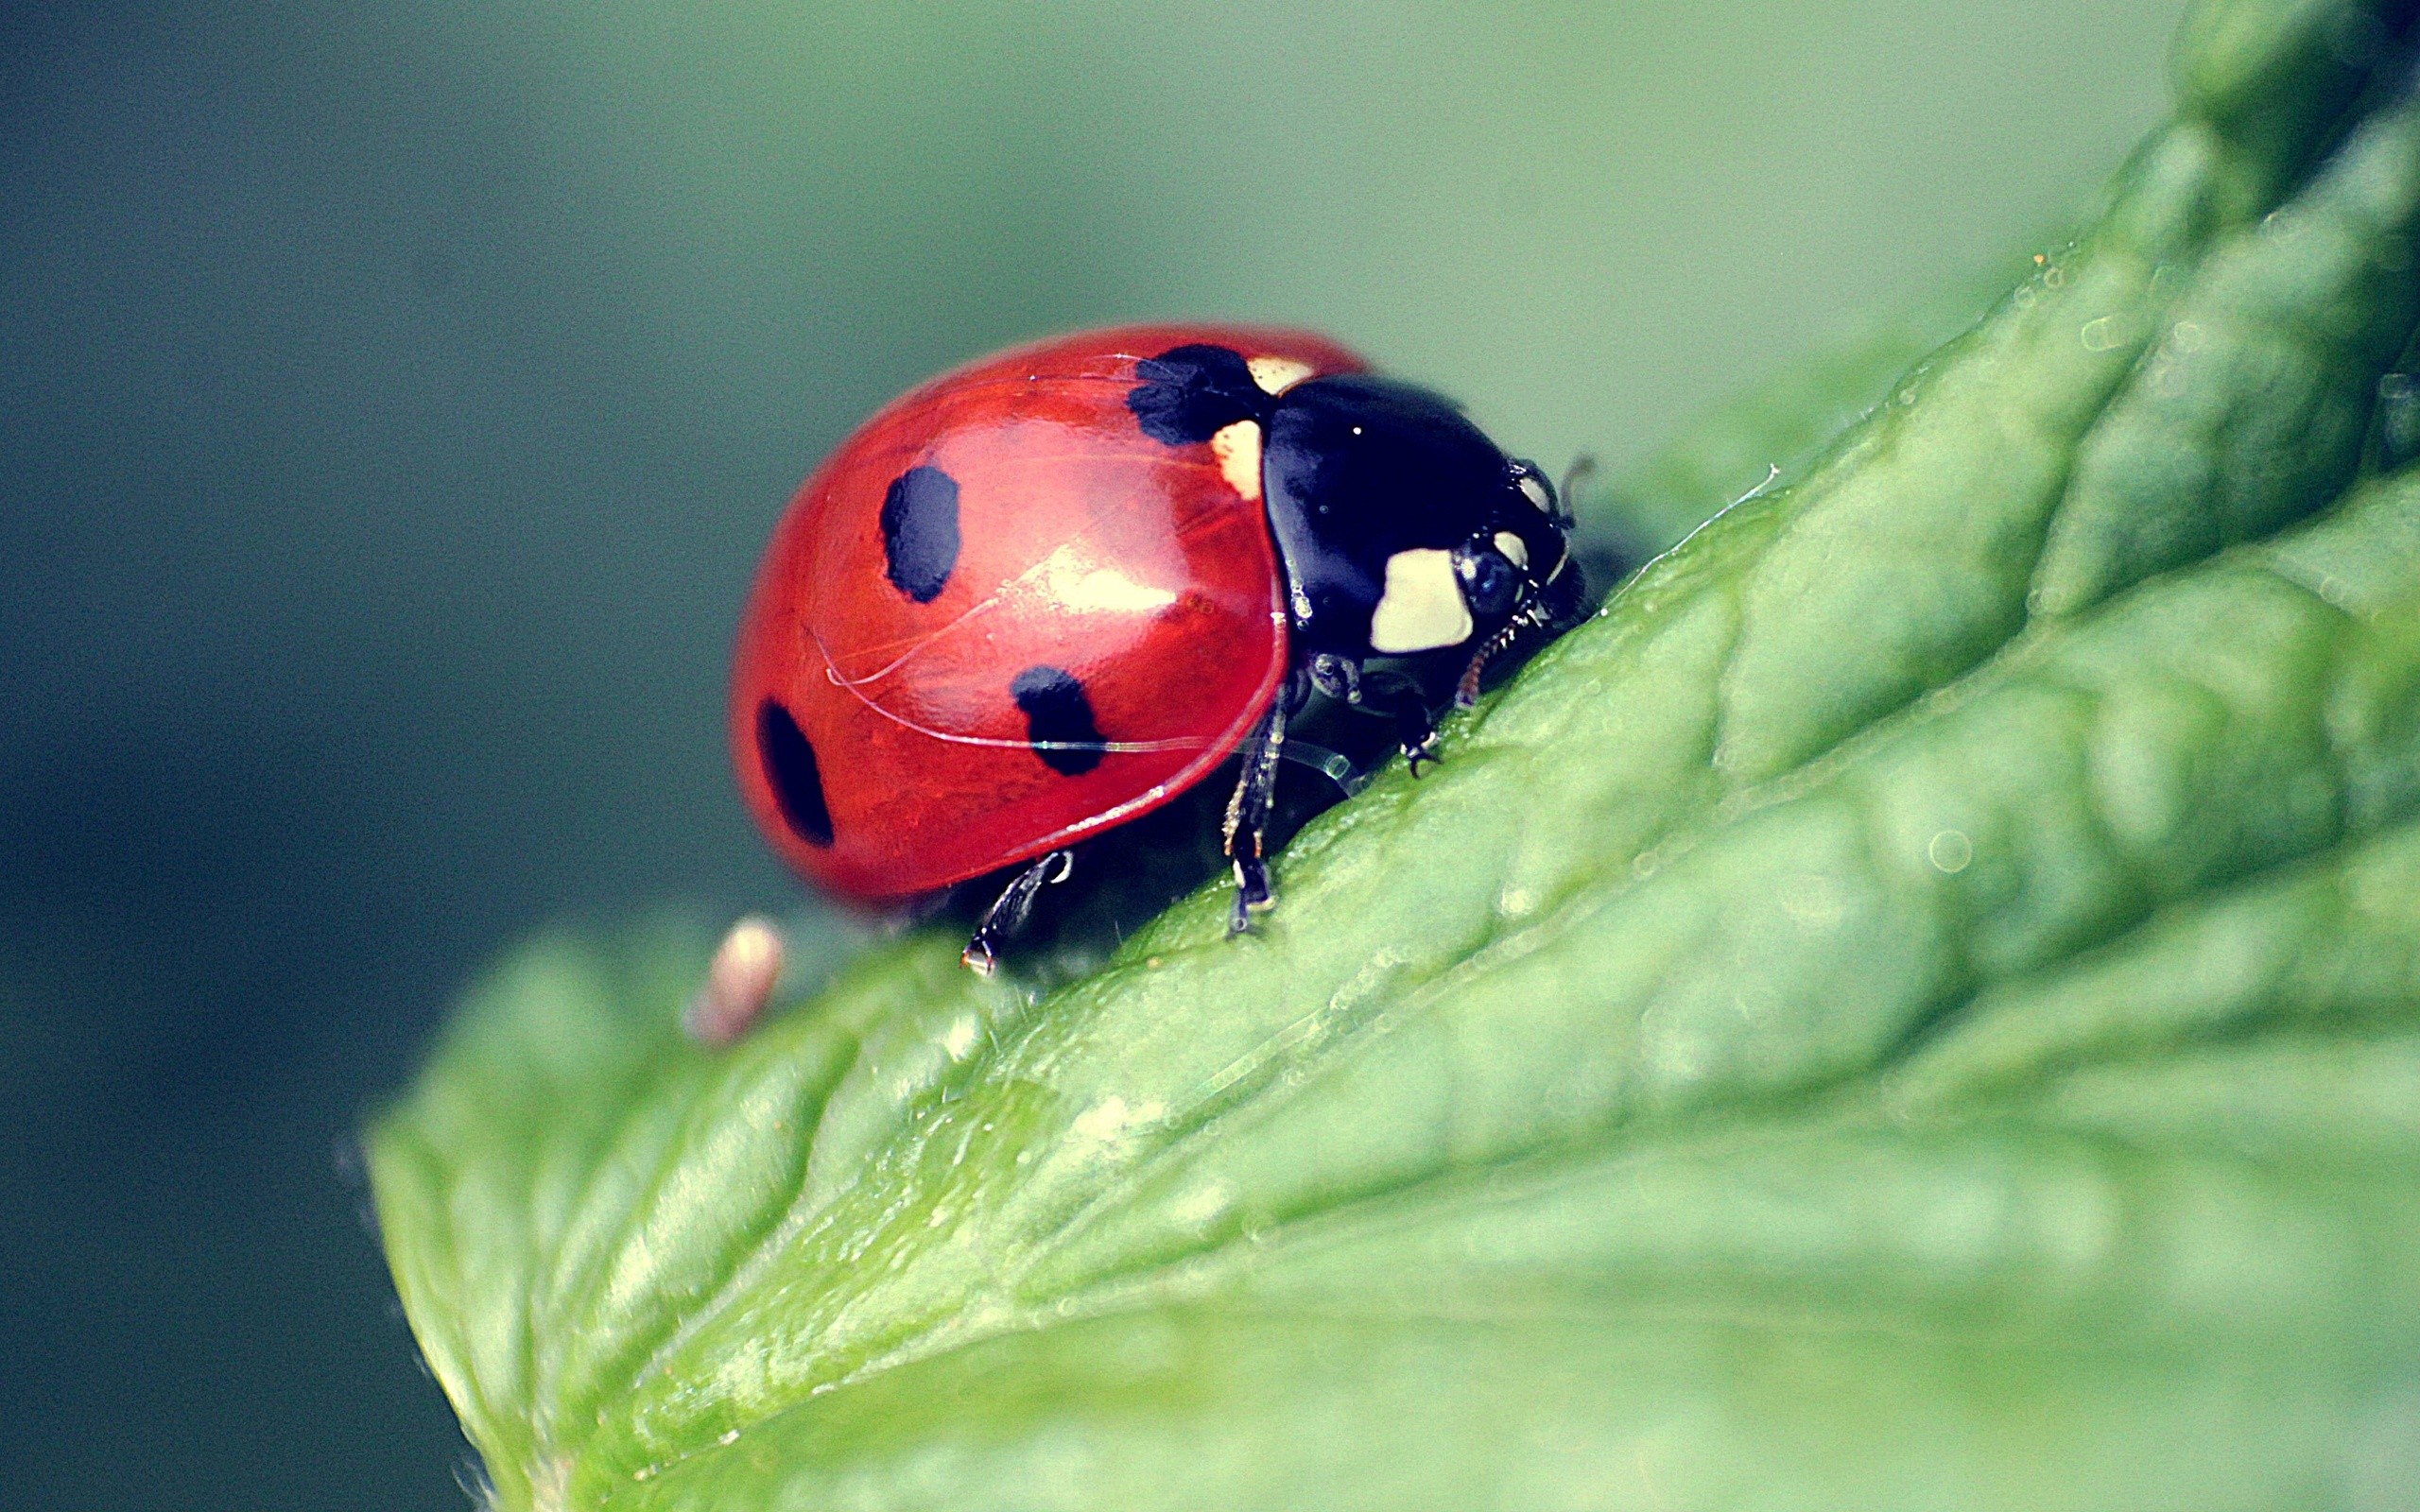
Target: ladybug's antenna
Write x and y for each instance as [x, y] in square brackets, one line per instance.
[1581, 473]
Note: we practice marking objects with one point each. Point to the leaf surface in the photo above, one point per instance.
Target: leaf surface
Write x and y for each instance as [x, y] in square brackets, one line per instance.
[1912, 1006]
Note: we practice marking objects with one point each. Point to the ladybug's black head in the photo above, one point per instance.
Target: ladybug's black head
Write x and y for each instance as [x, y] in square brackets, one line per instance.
[1517, 576]
[1518, 564]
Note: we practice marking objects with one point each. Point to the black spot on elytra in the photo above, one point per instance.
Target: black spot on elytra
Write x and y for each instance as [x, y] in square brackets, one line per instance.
[920, 532]
[1189, 394]
[790, 767]
[1057, 720]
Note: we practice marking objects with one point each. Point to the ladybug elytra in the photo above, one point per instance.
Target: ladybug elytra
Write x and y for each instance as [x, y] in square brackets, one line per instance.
[1045, 594]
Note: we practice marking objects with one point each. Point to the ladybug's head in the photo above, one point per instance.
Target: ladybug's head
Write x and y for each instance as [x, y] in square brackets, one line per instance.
[1517, 576]
[1520, 569]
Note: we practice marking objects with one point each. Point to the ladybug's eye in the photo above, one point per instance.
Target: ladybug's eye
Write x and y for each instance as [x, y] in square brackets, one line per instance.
[1491, 584]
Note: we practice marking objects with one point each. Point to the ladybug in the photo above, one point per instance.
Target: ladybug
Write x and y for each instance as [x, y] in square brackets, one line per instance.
[1046, 594]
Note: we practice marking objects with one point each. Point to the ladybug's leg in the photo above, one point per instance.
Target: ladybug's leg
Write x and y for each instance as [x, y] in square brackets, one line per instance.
[1386, 693]
[1248, 814]
[1009, 911]
[1338, 678]
[1403, 701]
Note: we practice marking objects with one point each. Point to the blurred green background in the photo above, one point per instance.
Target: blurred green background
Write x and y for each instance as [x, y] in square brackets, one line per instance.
[394, 399]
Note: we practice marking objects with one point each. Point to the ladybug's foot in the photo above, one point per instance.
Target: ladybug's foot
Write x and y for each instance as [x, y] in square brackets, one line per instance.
[1416, 736]
[1006, 919]
[1253, 894]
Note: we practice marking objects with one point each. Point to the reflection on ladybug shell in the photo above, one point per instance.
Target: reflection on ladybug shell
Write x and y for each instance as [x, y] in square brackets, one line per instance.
[1001, 617]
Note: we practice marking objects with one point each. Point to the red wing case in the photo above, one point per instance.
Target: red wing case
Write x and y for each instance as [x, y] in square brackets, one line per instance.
[1000, 618]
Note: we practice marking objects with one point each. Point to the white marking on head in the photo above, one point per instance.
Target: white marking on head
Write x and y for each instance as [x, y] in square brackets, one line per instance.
[1423, 608]
[1513, 549]
[1237, 449]
[1277, 374]
[1534, 489]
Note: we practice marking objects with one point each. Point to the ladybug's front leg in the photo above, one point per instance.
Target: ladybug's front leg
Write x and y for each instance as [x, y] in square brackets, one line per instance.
[1247, 824]
[1406, 702]
[1385, 693]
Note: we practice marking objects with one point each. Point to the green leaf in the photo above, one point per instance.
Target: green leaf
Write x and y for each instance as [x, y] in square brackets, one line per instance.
[1916, 1004]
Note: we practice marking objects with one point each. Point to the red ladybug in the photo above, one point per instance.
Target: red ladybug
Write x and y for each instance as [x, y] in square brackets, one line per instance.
[1041, 595]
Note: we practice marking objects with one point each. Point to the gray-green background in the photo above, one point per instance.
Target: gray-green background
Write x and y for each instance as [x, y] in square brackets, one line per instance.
[392, 401]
